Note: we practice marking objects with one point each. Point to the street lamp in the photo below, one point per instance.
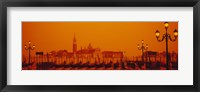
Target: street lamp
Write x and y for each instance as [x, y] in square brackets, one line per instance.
[29, 48]
[142, 48]
[166, 36]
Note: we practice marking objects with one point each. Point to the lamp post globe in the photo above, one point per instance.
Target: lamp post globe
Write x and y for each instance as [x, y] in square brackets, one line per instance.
[166, 24]
[157, 33]
[175, 33]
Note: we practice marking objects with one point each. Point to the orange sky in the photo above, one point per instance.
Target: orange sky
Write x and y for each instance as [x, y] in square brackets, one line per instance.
[108, 36]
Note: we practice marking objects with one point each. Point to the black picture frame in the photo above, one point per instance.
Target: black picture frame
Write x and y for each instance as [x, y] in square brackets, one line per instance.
[99, 3]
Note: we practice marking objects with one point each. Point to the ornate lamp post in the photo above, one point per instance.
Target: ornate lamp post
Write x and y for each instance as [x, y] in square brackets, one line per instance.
[167, 37]
[29, 48]
[142, 48]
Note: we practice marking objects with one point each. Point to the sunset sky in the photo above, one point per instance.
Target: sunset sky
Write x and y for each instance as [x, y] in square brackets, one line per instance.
[108, 36]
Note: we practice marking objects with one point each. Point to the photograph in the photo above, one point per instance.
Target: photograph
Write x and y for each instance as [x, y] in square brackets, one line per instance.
[99, 45]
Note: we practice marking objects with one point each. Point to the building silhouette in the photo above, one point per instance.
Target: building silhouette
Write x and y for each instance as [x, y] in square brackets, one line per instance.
[86, 55]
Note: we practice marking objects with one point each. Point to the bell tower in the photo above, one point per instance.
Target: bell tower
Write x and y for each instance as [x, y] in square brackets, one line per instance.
[74, 45]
